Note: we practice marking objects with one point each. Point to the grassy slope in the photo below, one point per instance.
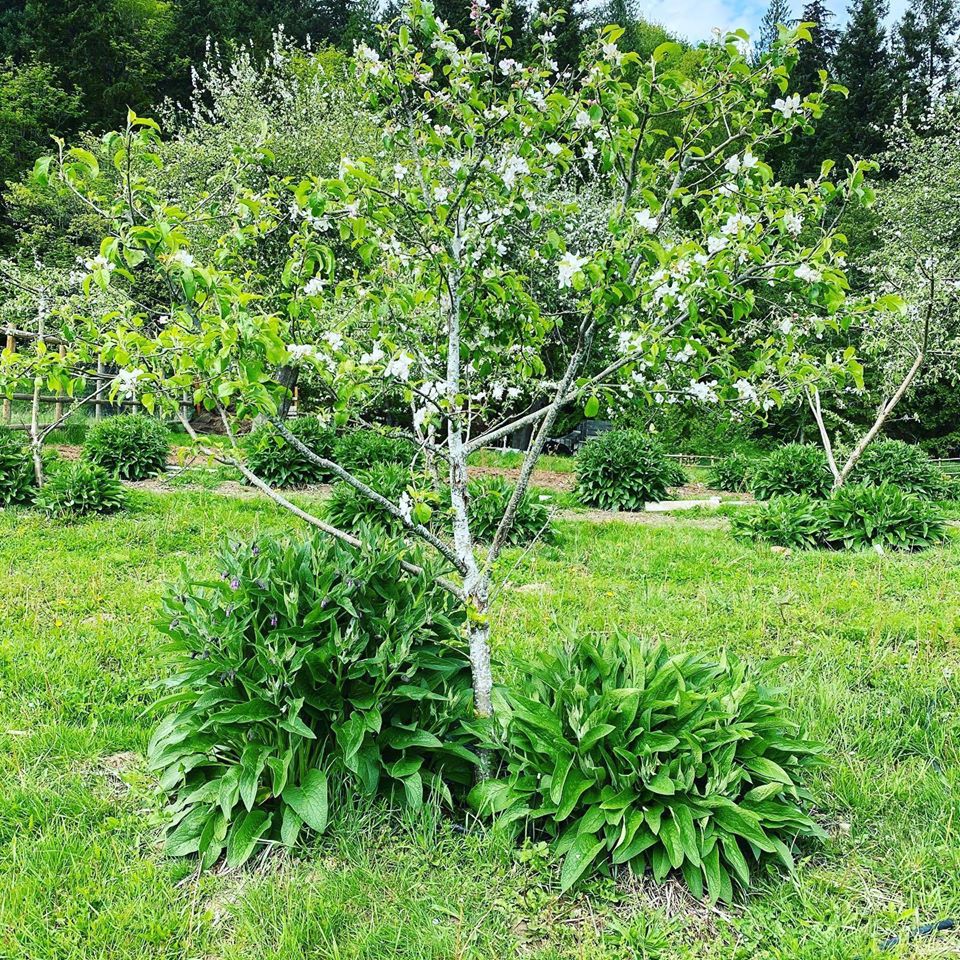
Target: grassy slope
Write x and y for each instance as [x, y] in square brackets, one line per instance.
[875, 671]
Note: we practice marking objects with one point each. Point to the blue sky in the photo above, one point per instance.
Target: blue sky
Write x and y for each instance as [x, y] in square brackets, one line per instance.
[694, 19]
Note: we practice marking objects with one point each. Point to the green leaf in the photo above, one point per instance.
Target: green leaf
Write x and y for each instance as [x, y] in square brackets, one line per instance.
[244, 834]
[662, 784]
[309, 800]
[578, 859]
[591, 407]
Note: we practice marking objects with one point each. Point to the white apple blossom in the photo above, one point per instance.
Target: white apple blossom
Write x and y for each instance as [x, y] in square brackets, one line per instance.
[646, 220]
[807, 273]
[399, 367]
[746, 390]
[789, 106]
[126, 381]
[314, 286]
[570, 264]
[300, 351]
[181, 258]
[612, 52]
[716, 244]
[793, 223]
[374, 356]
[554, 148]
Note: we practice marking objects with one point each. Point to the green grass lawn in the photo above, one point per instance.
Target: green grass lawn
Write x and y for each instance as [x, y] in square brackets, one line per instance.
[873, 667]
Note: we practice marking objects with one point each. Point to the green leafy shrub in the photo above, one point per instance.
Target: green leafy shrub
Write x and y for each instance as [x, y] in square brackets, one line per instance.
[131, 446]
[793, 468]
[360, 449]
[731, 473]
[489, 496]
[794, 521]
[279, 463]
[17, 477]
[676, 473]
[622, 470]
[621, 754]
[902, 465]
[76, 488]
[348, 509]
[881, 516]
[307, 672]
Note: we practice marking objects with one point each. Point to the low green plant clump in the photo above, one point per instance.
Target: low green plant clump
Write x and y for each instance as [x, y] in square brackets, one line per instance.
[731, 473]
[17, 476]
[489, 496]
[130, 446]
[362, 448]
[795, 520]
[77, 488]
[792, 468]
[279, 463]
[309, 671]
[348, 509]
[622, 470]
[676, 473]
[621, 754]
[854, 517]
[902, 465]
[881, 516]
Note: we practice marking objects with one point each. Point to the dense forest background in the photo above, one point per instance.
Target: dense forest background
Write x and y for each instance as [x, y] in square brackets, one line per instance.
[72, 64]
[68, 66]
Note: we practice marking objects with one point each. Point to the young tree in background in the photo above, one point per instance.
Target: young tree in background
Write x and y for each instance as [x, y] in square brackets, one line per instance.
[778, 12]
[926, 48]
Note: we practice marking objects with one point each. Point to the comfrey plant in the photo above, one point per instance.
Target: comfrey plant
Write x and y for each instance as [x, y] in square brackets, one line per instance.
[420, 274]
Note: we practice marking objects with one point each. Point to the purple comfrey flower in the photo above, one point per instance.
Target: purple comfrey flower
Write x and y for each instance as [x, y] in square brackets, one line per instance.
[234, 584]
[273, 620]
[255, 550]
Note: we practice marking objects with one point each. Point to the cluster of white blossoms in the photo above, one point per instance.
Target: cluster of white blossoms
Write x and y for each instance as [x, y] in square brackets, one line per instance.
[181, 258]
[370, 57]
[646, 220]
[511, 168]
[735, 223]
[806, 273]
[793, 223]
[789, 106]
[126, 382]
[100, 262]
[301, 351]
[736, 163]
[570, 265]
[705, 392]
[746, 390]
[314, 286]
[399, 367]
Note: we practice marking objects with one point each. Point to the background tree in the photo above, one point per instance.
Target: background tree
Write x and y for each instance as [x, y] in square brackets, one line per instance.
[926, 51]
[857, 125]
[778, 13]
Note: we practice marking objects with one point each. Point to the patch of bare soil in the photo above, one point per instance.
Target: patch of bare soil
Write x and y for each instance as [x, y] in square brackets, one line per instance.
[546, 479]
[700, 491]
